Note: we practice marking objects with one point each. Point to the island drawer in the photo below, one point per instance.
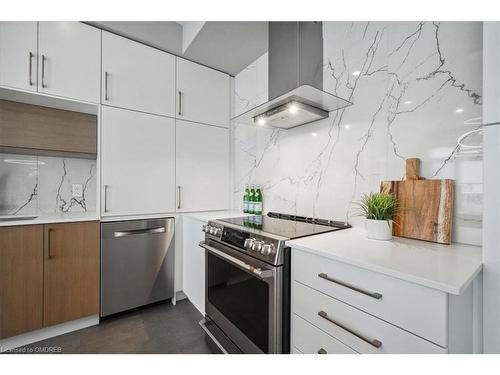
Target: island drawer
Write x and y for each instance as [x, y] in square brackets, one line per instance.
[360, 331]
[415, 308]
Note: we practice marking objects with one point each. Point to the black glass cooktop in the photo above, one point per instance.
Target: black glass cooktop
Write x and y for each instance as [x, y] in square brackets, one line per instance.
[287, 226]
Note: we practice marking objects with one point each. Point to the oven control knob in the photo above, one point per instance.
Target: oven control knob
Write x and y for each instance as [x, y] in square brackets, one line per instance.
[257, 245]
[217, 231]
[248, 243]
[204, 228]
[213, 230]
[267, 249]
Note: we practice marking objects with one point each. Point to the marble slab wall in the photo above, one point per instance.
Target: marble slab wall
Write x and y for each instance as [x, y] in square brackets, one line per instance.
[416, 87]
[37, 185]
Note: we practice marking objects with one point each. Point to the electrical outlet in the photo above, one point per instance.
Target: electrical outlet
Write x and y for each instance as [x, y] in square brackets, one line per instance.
[77, 190]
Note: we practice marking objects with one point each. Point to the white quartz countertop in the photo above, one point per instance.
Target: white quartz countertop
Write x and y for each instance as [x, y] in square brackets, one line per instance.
[213, 215]
[49, 218]
[449, 268]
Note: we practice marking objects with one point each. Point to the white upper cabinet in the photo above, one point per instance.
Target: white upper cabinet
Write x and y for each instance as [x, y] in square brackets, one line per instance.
[18, 54]
[202, 157]
[69, 60]
[138, 163]
[136, 76]
[202, 94]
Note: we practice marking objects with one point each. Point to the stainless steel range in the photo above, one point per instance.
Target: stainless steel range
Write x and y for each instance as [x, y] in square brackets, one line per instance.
[247, 288]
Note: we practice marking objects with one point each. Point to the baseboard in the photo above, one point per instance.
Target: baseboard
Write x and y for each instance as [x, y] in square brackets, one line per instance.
[46, 333]
[180, 296]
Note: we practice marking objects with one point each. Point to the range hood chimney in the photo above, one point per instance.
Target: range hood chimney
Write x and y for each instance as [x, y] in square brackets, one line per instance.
[295, 91]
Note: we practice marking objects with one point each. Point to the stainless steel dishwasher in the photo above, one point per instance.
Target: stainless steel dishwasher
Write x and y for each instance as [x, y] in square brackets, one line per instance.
[137, 263]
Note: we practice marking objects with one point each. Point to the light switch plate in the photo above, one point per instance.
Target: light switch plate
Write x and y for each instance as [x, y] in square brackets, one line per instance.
[77, 190]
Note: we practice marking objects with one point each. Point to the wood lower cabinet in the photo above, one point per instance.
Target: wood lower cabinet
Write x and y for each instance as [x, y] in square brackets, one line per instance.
[21, 279]
[71, 271]
[49, 274]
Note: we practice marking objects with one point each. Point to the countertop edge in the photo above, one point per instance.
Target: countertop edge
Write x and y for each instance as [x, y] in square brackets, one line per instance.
[447, 288]
[48, 220]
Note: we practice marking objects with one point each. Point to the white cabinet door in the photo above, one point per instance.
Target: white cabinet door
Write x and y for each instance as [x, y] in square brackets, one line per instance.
[136, 76]
[138, 163]
[202, 94]
[193, 262]
[69, 60]
[18, 54]
[202, 157]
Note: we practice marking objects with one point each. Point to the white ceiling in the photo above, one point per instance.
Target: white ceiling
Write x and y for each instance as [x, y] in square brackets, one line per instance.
[226, 46]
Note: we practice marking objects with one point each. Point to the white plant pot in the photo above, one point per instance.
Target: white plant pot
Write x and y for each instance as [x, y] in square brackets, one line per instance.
[378, 229]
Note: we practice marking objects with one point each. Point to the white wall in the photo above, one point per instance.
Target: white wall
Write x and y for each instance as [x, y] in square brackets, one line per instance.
[413, 77]
[491, 245]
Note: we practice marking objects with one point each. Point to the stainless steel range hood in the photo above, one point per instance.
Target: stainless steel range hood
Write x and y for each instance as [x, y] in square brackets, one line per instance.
[296, 95]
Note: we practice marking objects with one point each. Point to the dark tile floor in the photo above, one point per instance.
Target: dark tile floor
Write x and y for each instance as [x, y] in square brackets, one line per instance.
[160, 329]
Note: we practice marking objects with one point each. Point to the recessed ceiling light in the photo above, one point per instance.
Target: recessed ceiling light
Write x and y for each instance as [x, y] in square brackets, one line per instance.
[459, 110]
[408, 102]
[347, 126]
[261, 121]
[314, 134]
[356, 73]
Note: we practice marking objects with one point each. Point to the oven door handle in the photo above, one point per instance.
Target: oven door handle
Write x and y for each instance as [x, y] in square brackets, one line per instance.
[256, 271]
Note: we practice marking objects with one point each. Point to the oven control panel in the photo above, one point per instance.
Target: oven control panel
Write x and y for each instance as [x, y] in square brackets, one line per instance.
[254, 244]
[212, 229]
[260, 246]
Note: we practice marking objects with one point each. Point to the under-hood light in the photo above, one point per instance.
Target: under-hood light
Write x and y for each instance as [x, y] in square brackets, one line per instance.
[290, 114]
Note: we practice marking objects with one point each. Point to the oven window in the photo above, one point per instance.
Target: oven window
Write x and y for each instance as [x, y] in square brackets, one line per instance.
[242, 298]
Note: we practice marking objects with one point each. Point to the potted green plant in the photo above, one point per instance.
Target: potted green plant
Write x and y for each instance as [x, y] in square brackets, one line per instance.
[379, 209]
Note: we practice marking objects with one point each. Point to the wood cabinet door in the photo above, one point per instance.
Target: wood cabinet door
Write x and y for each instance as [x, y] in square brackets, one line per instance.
[202, 94]
[42, 130]
[202, 167]
[21, 279]
[135, 76]
[69, 62]
[71, 271]
[138, 163]
[18, 55]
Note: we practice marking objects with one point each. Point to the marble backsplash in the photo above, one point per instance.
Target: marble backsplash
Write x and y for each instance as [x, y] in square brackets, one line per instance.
[37, 184]
[416, 87]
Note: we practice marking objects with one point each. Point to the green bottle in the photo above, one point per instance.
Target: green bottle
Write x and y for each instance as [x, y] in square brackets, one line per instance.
[246, 199]
[251, 200]
[258, 201]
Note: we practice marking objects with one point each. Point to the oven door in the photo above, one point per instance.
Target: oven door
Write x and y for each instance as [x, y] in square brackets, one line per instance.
[243, 297]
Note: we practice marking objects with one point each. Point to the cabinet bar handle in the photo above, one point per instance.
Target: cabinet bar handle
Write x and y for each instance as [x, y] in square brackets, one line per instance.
[180, 103]
[374, 342]
[355, 288]
[30, 68]
[106, 198]
[49, 242]
[178, 196]
[43, 71]
[322, 351]
[106, 76]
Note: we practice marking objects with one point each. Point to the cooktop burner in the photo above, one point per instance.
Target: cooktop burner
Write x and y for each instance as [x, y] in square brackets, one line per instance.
[288, 226]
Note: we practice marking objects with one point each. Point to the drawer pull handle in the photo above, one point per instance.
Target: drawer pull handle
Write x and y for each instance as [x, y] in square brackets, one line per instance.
[376, 343]
[322, 351]
[355, 288]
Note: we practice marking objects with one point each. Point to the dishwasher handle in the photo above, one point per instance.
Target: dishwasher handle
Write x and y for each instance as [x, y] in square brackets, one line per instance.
[139, 231]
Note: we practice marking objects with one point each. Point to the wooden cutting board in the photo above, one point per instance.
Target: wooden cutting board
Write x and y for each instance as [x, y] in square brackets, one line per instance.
[426, 205]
